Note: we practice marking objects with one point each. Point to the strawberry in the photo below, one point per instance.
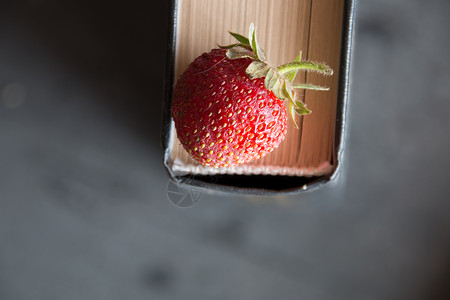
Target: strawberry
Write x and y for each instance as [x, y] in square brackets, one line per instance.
[228, 106]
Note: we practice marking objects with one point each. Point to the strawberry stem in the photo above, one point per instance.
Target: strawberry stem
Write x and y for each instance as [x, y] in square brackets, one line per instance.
[308, 86]
[306, 66]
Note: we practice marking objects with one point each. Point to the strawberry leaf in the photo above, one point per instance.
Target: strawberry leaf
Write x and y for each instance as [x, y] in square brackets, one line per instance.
[278, 89]
[235, 45]
[257, 69]
[287, 89]
[240, 52]
[292, 113]
[300, 108]
[240, 38]
[254, 43]
[271, 79]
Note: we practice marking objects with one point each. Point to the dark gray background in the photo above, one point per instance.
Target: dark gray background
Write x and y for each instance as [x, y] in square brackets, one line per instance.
[84, 212]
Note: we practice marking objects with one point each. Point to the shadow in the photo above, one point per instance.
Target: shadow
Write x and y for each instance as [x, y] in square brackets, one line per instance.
[117, 47]
[440, 288]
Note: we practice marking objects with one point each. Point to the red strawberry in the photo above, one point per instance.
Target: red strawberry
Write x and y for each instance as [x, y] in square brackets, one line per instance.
[228, 105]
[222, 116]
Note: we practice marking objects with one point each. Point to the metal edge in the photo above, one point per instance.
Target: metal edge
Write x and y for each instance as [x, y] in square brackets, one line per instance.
[168, 85]
[344, 85]
[314, 184]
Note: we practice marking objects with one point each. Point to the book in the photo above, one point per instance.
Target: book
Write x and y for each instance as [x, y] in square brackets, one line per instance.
[284, 28]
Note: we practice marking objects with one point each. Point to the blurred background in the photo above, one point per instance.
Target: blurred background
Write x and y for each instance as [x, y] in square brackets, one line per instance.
[84, 212]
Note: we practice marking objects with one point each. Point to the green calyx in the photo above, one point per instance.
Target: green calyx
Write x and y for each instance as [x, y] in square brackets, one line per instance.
[279, 79]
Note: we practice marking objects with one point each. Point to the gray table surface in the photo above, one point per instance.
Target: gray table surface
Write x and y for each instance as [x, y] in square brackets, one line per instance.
[84, 212]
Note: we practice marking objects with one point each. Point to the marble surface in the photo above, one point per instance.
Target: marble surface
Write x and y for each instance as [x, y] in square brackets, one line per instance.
[84, 212]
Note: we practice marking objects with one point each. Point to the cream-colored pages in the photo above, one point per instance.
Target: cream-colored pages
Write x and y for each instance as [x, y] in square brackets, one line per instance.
[284, 28]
